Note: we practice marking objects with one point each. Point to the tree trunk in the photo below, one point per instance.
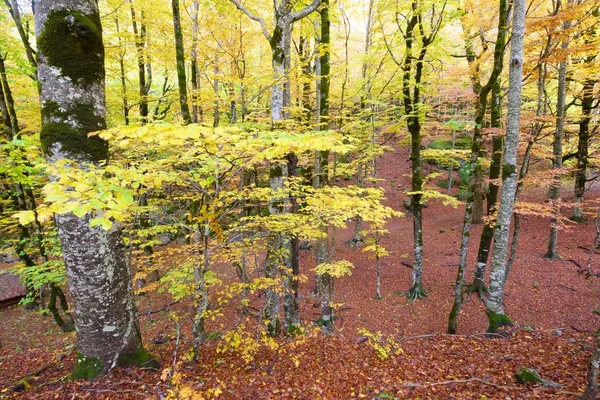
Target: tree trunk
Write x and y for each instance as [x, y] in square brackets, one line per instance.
[587, 100]
[73, 104]
[482, 98]
[140, 44]
[196, 111]
[216, 111]
[10, 102]
[487, 234]
[554, 192]
[591, 388]
[15, 13]
[494, 306]
[321, 178]
[123, 76]
[179, 55]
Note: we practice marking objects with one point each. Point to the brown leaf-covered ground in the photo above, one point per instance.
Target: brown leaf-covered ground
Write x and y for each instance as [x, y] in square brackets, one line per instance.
[550, 301]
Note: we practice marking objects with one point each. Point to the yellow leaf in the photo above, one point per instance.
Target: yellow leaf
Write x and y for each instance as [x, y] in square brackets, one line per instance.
[25, 217]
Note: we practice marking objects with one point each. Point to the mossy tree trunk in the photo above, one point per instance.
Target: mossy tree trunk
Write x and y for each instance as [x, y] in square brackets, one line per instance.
[71, 76]
[554, 192]
[196, 107]
[413, 30]
[321, 177]
[180, 57]
[587, 105]
[123, 74]
[9, 100]
[140, 45]
[494, 301]
[482, 93]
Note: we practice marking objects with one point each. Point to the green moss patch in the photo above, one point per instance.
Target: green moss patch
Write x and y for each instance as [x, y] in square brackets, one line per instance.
[140, 358]
[497, 320]
[75, 48]
[73, 141]
[530, 375]
[88, 368]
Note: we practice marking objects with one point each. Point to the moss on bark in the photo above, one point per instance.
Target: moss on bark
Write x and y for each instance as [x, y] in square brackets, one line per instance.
[496, 320]
[140, 358]
[73, 141]
[86, 367]
[72, 42]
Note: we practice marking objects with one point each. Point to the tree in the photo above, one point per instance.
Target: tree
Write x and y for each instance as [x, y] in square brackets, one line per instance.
[417, 41]
[179, 55]
[71, 75]
[492, 85]
[554, 192]
[280, 43]
[494, 306]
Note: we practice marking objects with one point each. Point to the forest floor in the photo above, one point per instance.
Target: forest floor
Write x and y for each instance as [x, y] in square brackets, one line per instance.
[551, 303]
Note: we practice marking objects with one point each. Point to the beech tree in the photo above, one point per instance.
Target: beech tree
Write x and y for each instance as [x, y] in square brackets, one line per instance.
[494, 306]
[71, 76]
[418, 38]
[280, 41]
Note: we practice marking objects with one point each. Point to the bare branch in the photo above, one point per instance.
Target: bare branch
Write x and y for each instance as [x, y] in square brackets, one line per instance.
[253, 17]
[303, 13]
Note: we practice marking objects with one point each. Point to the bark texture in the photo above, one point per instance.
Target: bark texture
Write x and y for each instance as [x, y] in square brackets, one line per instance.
[179, 55]
[494, 306]
[71, 75]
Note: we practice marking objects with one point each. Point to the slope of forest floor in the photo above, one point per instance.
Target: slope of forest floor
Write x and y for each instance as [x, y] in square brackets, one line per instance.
[551, 303]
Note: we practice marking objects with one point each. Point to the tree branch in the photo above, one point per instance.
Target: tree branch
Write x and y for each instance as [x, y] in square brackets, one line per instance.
[303, 13]
[253, 17]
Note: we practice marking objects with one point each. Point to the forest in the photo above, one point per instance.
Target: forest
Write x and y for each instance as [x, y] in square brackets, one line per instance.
[299, 199]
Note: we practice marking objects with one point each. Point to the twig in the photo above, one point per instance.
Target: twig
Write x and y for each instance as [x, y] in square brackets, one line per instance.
[115, 391]
[172, 370]
[164, 308]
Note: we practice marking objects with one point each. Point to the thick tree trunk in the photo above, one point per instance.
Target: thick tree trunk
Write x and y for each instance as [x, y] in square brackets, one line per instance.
[494, 301]
[73, 104]
[179, 55]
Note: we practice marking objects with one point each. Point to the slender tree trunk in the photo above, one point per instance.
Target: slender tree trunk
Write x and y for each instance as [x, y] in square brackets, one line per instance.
[482, 99]
[587, 101]
[140, 44]
[123, 76]
[494, 301]
[365, 97]
[487, 234]
[73, 104]
[180, 56]
[216, 111]
[10, 102]
[194, 63]
[321, 178]
[15, 13]
[5, 115]
[201, 292]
